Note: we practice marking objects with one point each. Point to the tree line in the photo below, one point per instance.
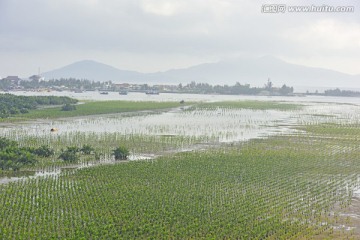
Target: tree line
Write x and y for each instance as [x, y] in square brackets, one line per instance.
[11, 104]
[342, 93]
[193, 87]
[68, 83]
[236, 89]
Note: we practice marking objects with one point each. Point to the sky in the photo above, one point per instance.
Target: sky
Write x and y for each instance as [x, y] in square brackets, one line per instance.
[157, 35]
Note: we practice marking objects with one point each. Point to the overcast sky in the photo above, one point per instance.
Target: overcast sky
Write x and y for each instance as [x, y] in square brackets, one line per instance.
[157, 35]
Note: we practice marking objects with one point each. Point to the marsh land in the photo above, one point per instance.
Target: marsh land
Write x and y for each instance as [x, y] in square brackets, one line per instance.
[213, 167]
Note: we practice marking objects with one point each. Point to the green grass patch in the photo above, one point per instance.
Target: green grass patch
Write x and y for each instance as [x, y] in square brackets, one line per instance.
[95, 108]
[333, 129]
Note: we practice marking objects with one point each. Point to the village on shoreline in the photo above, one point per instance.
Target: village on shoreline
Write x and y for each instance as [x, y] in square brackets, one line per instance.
[38, 84]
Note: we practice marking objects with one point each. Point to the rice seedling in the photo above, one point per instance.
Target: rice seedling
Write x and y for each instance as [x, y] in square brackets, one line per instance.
[250, 104]
[267, 188]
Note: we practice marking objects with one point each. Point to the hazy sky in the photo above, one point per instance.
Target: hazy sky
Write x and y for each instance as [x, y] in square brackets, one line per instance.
[157, 35]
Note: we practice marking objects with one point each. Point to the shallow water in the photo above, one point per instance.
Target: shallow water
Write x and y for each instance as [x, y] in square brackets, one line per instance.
[136, 96]
[357, 193]
[56, 171]
[225, 125]
[222, 125]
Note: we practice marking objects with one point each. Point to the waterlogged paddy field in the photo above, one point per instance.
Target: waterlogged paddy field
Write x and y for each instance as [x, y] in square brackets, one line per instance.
[269, 171]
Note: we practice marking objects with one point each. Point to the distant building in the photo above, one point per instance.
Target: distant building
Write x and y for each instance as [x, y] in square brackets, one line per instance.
[12, 78]
[119, 86]
[166, 87]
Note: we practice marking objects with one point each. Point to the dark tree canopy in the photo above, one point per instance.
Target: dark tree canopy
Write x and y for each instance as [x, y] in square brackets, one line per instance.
[11, 104]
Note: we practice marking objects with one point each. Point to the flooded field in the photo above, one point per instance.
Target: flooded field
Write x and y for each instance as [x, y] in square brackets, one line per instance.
[223, 125]
[262, 172]
[181, 129]
[137, 96]
[215, 124]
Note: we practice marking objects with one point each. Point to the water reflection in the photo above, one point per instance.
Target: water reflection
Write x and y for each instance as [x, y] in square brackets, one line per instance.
[56, 171]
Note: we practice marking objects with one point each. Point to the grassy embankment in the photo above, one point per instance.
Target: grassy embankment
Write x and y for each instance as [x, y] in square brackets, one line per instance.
[109, 107]
[95, 108]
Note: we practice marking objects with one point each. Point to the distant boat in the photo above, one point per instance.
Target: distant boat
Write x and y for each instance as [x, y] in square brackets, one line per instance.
[105, 93]
[123, 92]
[152, 92]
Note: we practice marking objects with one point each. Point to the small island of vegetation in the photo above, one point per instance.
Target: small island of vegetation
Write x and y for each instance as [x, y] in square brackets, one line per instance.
[12, 104]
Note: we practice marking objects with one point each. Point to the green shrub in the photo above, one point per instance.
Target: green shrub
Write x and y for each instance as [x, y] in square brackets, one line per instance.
[87, 149]
[24, 110]
[73, 149]
[4, 143]
[69, 156]
[44, 151]
[13, 157]
[121, 153]
[68, 107]
[13, 105]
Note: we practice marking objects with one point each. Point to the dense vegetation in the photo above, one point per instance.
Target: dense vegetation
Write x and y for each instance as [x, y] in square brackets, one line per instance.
[193, 87]
[68, 107]
[236, 89]
[12, 105]
[13, 157]
[121, 153]
[69, 83]
[72, 153]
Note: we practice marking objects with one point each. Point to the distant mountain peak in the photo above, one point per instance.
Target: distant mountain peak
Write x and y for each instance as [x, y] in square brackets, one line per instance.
[88, 62]
[92, 70]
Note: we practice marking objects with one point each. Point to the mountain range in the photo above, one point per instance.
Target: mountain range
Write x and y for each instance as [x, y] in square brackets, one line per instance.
[253, 71]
